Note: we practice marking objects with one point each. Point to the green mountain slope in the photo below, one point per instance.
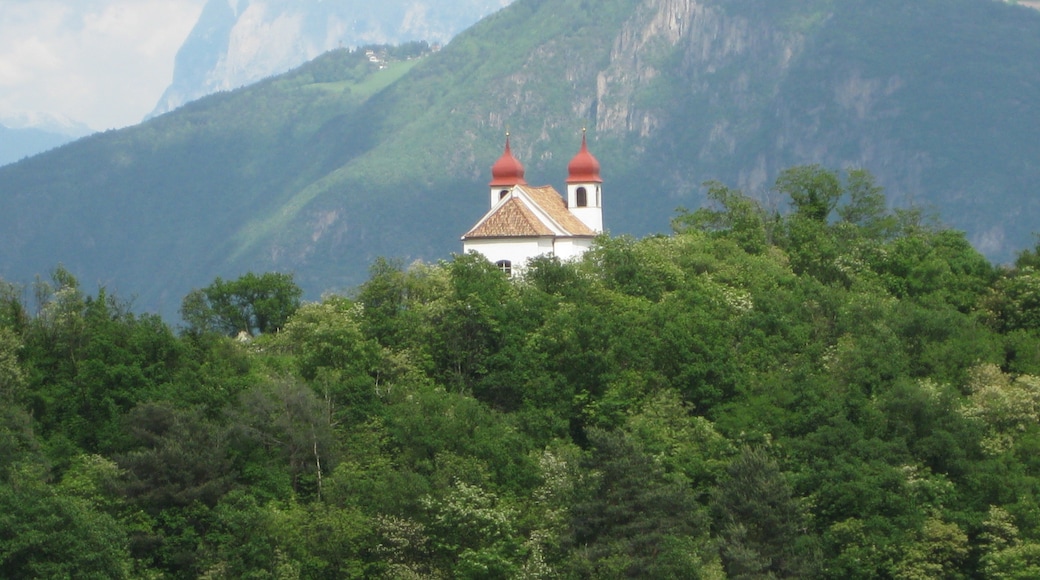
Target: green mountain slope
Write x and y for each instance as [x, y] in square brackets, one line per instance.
[319, 171]
[158, 208]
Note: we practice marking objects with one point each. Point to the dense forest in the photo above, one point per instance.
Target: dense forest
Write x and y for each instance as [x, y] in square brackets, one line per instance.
[837, 390]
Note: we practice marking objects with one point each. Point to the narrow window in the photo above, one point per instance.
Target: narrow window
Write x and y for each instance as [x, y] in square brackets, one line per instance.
[506, 266]
[582, 197]
[503, 193]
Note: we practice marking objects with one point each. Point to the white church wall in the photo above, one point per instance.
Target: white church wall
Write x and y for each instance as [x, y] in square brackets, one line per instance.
[516, 250]
[572, 248]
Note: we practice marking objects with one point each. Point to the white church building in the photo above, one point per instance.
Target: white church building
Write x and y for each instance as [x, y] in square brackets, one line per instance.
[526, 221]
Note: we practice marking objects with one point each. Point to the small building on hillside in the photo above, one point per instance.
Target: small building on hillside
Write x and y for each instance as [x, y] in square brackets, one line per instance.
[526, 221]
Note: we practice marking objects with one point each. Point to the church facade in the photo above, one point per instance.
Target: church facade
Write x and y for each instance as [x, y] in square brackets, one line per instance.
[525, 221]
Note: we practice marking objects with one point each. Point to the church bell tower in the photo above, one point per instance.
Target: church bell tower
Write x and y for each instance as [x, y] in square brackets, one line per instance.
[505, 173]
[585, 188]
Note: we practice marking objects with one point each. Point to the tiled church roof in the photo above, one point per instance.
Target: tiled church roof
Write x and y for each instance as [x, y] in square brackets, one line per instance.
[552, 203]
[515, 217]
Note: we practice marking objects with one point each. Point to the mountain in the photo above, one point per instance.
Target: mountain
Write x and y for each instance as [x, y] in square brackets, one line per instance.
[28, 134]
[239, 42]
[323, 169]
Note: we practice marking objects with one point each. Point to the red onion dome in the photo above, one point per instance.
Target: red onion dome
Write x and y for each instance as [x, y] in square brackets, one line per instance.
[507, 171]
[583, 168]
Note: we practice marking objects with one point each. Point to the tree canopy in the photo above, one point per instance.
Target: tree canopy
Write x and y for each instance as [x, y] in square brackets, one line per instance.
[834, 389]
[251, 304]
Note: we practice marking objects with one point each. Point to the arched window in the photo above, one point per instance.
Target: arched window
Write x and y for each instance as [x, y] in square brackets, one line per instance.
[503, 193]
[506, 266]
[583, 198]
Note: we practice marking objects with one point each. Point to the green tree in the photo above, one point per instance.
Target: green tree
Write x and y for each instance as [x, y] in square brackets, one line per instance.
[176, 457]
[680, 441]
[331, 352]
[447, 436]
[630, 519]
[383, 298]
[48, 532]
[251, 304]
[89, 360]
[814, 191]
[939, 552]
[12, 311]
[866, 206]
[473, 533]
[1007, 556]
[737, 216]
[762, 526]
[288, 420]
[12, 377]
[1009, 408]
[284, 540]
[1030, 257]
[1014, 300]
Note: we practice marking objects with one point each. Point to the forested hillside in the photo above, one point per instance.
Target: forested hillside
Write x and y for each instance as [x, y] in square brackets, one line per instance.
[840, 390]
[320, 171]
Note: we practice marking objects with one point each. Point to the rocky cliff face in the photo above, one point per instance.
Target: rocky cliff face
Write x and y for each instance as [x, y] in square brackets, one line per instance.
[693, 57]
[238, 42]
[645, 51]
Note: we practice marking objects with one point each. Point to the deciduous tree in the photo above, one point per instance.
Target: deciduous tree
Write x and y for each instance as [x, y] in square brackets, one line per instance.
[251, 304]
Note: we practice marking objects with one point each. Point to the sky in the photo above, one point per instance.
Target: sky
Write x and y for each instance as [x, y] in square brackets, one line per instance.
[104, 63]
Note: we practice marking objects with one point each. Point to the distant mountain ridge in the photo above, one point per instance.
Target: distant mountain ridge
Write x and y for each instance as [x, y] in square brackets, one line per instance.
[27, 134]
[238, 42]
[323, 169]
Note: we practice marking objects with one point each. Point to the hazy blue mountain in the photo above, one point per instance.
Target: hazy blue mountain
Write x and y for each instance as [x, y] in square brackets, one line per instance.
[238, 42]
[26, 135]
[320, 170]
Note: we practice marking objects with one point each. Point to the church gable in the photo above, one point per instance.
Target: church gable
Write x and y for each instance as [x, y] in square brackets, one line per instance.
[527, 211]
[510, 219]
[549, 201]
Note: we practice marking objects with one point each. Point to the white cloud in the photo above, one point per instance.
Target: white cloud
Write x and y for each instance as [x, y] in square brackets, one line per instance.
[102, 62]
